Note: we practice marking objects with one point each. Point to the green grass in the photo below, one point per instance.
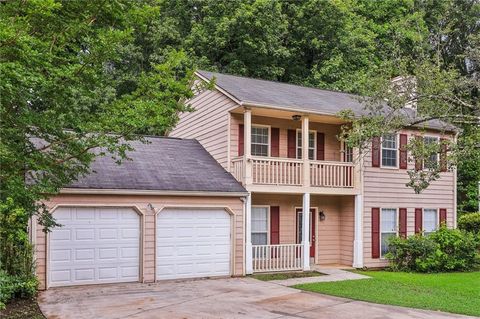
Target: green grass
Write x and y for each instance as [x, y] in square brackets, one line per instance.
[286, 275]
[449, 292]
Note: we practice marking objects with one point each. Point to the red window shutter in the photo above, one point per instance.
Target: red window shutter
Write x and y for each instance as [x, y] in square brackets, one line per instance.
[376, 152]
[403, 151]
[375, 232]
[443, 154]
[274, 225]
[418, 220]
[292, 143]
[443, 216]
[402, 216]
[275, 142]
[418, 161]
[241, 144]
[320, 146]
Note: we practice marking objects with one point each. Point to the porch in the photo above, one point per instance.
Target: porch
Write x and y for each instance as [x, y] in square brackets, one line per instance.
[276, 240]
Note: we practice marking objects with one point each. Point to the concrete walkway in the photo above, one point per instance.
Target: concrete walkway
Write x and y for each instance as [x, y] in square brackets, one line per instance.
[330, 274]
[209, 299]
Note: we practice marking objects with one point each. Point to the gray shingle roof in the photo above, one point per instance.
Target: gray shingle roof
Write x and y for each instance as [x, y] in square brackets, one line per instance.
[166, 164]
[261, 92]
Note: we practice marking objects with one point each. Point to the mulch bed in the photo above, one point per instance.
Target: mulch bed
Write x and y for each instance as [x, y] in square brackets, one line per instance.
[22, 309]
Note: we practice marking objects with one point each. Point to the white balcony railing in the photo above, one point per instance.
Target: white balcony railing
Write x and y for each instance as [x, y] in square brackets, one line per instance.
[238, 169]
[332, 174]
[282, 257]
[277, 171]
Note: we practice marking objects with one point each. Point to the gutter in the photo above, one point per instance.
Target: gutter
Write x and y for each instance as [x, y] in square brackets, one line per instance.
[93, 191]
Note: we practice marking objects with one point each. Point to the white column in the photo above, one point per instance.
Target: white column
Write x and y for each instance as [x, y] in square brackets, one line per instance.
[306, 231]
[247, 139]
[358, 236]
[248, 235]
[305, 158]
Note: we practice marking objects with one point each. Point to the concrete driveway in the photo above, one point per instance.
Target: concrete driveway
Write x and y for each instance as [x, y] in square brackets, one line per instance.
[214, 298]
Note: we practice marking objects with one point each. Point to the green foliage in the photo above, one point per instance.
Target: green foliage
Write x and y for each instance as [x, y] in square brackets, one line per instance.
[470, 222]
[16, 287]
[441, 251]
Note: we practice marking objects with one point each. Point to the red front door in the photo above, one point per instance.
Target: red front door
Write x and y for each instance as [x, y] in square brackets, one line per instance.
[312, 230]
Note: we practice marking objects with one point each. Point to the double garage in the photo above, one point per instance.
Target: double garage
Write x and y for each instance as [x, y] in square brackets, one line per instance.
[114, 244]
[172, 212]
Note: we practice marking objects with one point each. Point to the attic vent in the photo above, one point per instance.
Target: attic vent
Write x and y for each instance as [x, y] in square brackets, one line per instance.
[406, 85]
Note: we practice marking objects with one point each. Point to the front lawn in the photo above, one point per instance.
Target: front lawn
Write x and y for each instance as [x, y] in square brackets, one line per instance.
[450, 292]
[286, 275]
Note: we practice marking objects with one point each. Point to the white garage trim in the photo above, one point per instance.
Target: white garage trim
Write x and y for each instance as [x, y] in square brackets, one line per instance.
[227, 209]
[135, 208]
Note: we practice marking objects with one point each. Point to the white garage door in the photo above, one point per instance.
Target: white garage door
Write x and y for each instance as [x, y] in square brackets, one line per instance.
[193, 243]
[94, 245]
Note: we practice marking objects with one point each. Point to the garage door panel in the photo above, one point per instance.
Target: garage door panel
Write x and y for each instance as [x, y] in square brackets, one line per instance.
[84, 251]
[193, 243]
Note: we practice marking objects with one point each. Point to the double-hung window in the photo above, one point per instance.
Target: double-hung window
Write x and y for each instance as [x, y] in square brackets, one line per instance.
[389, 150]
[430, 221]
[432, 159]
[347, 153]
[311, 144]
[388, 227]
[260, 140]
[260, 222]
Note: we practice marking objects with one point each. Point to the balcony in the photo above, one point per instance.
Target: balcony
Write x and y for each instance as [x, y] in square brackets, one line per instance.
[269, 171]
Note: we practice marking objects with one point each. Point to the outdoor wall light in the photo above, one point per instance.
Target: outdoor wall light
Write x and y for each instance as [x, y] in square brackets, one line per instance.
[321, 215]
[296, 117]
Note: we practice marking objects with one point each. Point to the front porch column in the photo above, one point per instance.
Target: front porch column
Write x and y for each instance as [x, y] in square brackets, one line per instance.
[248, 235]
[305, 157]
[247, 138]
[306, 231]
[358, 236]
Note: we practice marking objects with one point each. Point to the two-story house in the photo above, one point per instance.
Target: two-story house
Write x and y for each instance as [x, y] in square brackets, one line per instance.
[311, 200]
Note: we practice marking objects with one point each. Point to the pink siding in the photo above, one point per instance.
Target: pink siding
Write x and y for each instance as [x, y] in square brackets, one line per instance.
[208, 123]
[235, 204]
[334, 235]
[385, 188]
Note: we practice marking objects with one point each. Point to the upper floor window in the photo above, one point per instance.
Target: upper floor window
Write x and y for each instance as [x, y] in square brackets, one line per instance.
[259, 225]
[388, 227]
[430, 220]
[311, 145]
[347, 153]
[432, 160]
[389, 150]
[260, 140]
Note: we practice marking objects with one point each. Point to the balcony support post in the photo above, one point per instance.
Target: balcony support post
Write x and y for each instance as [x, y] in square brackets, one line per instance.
[358, 233]
[305, 158]
[247, 138]
[306, 231]
[248, 235]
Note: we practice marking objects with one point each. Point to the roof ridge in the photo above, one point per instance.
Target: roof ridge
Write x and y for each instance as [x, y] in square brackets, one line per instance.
[283, 83]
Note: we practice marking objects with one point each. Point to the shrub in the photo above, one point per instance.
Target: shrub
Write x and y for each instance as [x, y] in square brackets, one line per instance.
[470, 222]
[443, 250]
[16, 287]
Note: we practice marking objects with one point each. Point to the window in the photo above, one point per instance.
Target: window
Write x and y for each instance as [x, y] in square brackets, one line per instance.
[430, 221]
[260, 140]
[388, 227]
[311, 144]
[347, 153]
[389, 150]
[433, 158]
[259, 225]
[300, 225]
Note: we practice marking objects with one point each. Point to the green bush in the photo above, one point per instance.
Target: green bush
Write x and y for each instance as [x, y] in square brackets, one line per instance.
[470, 222]
[16, 287]
[443, 250]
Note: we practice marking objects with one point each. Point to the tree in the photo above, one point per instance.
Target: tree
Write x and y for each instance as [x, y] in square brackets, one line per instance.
[74, 85]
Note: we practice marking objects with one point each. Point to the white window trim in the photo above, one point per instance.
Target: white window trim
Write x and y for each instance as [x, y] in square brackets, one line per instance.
[269, 138]
[397, 139]
[344, 152]
[268, 221]
[437, 217]
[300, 146]
[380, 232]
[438, 154]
